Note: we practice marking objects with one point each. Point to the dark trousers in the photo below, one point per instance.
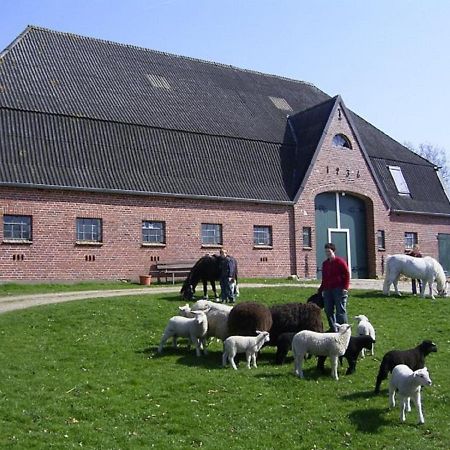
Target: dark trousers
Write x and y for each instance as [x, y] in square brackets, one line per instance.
[414, 288]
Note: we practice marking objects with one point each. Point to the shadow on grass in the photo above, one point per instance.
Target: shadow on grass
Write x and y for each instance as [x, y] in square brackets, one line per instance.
[369, 420]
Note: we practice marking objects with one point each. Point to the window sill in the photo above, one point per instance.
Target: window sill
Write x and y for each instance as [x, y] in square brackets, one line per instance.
[153, 244]
[262, 247]
[307, 248]
[381, 249]
[89, 243]
[212, 245]
[17, 241]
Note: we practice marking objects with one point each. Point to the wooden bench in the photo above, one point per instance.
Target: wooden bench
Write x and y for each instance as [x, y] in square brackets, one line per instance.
[174, 269]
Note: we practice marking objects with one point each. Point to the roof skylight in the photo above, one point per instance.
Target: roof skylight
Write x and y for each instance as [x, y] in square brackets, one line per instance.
[158, 81]
[281, 103]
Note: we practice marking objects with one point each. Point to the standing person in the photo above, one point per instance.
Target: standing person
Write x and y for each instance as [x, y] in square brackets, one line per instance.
[334, 287]
[415, 252]
[227, 276]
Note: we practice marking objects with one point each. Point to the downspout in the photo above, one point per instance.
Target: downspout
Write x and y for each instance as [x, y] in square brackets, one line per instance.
[294, 223]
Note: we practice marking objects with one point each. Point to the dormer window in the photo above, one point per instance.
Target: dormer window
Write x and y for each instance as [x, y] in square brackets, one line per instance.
[399, 180]
[341, 140]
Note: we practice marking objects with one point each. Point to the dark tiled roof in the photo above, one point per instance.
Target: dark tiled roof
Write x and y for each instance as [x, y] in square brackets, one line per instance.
[54, 150]
[66, 74]
[85, 113]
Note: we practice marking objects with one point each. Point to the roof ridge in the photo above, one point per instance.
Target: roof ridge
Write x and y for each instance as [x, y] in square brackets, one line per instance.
[190, 58]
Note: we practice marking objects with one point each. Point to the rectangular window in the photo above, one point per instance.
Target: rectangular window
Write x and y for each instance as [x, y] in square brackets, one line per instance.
[153, 232]
[89, 230]
[381, 242]
[399, 180]
[262, 235]
[211, 234]
[17, 228]
[307, 240]
[410, 240]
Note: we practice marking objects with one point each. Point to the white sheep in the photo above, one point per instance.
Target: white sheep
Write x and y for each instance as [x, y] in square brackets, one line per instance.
[217, 314]
[365, 328]
[408, 385]
[332, 345]
[250, 345]
[193, 328]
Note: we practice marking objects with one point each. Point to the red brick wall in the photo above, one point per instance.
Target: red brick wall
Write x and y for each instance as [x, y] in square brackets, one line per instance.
[54, 255]
[354, 177]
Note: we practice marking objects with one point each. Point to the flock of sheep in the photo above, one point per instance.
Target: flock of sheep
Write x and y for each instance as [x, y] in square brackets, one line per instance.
[248, 326]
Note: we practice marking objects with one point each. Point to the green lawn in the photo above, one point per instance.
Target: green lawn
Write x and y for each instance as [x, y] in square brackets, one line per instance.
[85, 375]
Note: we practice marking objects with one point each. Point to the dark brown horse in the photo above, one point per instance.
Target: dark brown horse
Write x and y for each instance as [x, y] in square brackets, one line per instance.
[207, 269]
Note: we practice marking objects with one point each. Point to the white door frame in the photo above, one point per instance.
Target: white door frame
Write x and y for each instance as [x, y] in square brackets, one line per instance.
[347, 232]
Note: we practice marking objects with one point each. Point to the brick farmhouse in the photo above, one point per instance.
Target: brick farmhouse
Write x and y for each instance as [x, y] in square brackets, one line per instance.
[114, 158]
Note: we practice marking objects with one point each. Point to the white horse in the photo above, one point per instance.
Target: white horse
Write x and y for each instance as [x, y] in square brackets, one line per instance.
[426, 269]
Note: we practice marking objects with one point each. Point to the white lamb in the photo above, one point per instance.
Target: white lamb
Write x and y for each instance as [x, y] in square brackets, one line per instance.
[332, 345]
[217, 314]
[408, 385]
[365, 328]
[250, 345]
[193, 328]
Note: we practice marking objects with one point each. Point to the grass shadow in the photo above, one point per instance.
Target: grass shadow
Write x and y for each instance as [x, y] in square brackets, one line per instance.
[369, 420]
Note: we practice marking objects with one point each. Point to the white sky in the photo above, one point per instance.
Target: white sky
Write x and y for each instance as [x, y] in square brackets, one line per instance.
[388, 59]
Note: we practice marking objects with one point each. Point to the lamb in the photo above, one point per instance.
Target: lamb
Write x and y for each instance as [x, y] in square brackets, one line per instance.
[250, 345]
[414, 358]
[332, 345]
[365, 328]
[193, 328]
[247, 317]
[408, 384]
[355, 345]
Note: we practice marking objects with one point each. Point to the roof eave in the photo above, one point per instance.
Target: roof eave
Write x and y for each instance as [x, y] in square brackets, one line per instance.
[418, 213]
[145, 193]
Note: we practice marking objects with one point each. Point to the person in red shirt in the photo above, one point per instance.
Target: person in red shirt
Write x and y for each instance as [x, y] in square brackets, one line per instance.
[334, 287]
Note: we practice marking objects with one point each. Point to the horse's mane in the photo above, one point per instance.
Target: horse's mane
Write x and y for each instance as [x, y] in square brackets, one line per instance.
[439, 271]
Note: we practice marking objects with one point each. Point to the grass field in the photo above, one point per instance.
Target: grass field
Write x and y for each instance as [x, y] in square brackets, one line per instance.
[11, 288]
[85, 375]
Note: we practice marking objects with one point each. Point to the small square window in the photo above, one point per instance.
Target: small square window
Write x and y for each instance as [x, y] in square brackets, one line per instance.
[211, 234]
[381, 241]
[262, 235]
[153, 232]
[89, 230]
[17, 228]
[410, 240]
[307, 239]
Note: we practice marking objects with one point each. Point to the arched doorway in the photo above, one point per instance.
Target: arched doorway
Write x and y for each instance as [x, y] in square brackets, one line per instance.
[341, 218]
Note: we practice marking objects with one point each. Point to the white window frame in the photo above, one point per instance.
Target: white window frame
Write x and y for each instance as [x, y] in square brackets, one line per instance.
[211, 234]
[262, 235]
[153, 232]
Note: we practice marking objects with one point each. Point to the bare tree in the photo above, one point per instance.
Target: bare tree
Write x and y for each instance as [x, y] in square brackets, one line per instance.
[436, 155]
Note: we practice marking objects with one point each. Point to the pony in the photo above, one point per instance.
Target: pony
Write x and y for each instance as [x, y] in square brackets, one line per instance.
[207, 269]
[426, 269]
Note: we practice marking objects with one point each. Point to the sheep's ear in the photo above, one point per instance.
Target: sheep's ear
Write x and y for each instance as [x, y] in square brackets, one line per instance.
[258, 332]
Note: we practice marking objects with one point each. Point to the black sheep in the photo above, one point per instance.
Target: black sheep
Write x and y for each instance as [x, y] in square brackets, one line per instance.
[284, 344]
[247, 317]
[294, 317]
[413, 358]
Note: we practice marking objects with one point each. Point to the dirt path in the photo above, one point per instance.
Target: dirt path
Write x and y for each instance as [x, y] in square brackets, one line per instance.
[12, 303]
